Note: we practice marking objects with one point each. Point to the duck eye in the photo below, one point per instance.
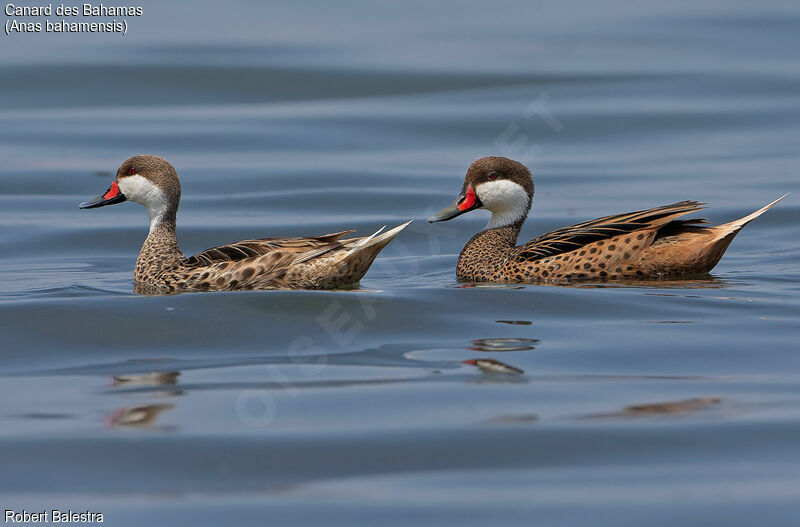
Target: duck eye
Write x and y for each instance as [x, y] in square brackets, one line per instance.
[131, 170]
[492, 176]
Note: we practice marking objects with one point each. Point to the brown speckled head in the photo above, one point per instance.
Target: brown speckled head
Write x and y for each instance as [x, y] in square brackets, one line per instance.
[494, 168]
[498, 184]
[152, 182]
[154, 169]
[148, 180]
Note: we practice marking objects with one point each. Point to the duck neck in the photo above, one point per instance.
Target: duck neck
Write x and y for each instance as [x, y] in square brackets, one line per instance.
[500, 236]
[506, 222]
[487, 252]
[160, 251]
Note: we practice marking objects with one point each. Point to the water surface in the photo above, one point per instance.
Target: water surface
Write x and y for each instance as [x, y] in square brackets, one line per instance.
[414, 398]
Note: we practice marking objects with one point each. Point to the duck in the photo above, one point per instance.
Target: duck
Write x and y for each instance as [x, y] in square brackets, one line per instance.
[651, 243]
[317, 262]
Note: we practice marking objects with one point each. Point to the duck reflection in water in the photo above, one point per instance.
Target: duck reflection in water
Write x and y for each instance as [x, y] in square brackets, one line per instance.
[503, 344]
[494, 371]
[493, 366]
[159, 384]
[137, 416]
[662, 409]
[164, 380]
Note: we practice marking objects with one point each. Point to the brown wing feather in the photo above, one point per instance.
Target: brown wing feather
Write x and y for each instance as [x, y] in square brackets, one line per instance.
[233, 252]
[576, 236]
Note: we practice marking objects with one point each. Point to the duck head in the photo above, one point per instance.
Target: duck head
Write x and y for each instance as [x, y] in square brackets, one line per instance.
[148, 180]
[498, 184]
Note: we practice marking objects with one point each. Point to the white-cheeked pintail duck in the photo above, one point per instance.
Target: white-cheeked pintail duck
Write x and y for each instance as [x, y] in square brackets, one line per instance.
[317, 262]
[645, 243]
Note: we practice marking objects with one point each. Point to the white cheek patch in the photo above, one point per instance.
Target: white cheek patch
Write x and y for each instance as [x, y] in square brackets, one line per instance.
[508, 201]
[142, 190]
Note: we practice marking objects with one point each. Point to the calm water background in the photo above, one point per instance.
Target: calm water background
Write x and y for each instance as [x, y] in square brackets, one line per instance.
[285, 119]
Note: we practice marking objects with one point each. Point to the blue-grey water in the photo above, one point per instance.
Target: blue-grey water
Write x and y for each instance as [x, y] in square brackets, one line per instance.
[414, 399]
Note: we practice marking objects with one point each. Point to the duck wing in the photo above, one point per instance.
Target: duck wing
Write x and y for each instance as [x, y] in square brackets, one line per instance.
[291, 249]
[570, 238]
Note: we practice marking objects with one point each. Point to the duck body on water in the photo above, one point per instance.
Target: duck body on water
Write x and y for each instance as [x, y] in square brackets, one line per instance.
[651, 243]
[316, 262]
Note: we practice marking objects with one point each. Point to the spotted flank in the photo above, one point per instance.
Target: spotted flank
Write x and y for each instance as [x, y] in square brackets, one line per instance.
[316, 262]
[646, 243]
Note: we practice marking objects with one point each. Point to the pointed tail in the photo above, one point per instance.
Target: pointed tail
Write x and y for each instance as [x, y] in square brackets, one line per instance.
[378, 240]
[735, 226]
[356, 262]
